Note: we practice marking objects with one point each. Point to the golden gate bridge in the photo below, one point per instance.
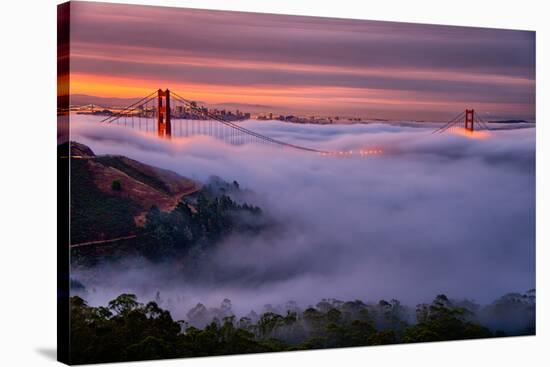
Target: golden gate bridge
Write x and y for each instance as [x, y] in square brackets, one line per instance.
[173, 115]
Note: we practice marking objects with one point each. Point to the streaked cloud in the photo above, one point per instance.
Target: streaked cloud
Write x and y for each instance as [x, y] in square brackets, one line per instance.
[302, 64]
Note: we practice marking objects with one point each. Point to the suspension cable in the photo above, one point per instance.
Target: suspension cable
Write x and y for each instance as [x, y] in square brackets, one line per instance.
[449, 124]
[127, 108]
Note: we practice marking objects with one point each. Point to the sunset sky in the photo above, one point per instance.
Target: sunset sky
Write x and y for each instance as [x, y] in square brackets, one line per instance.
[304, 65]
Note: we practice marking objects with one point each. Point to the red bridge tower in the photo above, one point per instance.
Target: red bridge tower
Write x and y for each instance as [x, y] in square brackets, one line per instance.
[164, 126]
[469, 120]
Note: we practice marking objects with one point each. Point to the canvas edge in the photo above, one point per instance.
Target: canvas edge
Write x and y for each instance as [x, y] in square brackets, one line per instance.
[63, 183]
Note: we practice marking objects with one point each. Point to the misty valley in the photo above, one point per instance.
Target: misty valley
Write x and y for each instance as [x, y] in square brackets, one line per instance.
[189, 247]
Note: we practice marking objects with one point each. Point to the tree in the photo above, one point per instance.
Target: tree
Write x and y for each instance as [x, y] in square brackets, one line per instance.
[268, 322]
[124, 303]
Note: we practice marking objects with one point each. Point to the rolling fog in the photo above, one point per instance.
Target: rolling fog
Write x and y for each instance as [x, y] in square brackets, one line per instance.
[433, 214]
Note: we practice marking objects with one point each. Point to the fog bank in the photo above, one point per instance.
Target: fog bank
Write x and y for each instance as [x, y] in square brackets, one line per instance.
[432, 214]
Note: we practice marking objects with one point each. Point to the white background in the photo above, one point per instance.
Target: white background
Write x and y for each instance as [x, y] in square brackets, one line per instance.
[28, 181]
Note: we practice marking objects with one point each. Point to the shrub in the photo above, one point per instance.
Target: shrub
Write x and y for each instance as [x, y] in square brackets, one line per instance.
[116, 185]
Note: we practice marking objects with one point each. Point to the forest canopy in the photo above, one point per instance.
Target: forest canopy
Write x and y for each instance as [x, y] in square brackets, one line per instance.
[126, 330]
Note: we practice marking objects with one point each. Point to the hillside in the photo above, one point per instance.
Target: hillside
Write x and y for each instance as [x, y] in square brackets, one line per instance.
[111, 194]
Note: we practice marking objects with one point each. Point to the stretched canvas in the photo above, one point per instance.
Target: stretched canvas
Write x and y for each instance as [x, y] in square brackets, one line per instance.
[233, 182]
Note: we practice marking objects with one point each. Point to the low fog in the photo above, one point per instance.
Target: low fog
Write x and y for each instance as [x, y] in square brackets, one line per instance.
[433, 214]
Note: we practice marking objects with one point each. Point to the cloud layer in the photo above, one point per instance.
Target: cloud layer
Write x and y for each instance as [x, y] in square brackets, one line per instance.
[433, 214]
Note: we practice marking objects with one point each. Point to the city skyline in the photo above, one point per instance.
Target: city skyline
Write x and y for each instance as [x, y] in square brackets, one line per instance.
[302, 65]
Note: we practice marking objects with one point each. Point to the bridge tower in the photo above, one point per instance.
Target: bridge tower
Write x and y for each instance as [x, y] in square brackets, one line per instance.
[164, 126]
[469, 120]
